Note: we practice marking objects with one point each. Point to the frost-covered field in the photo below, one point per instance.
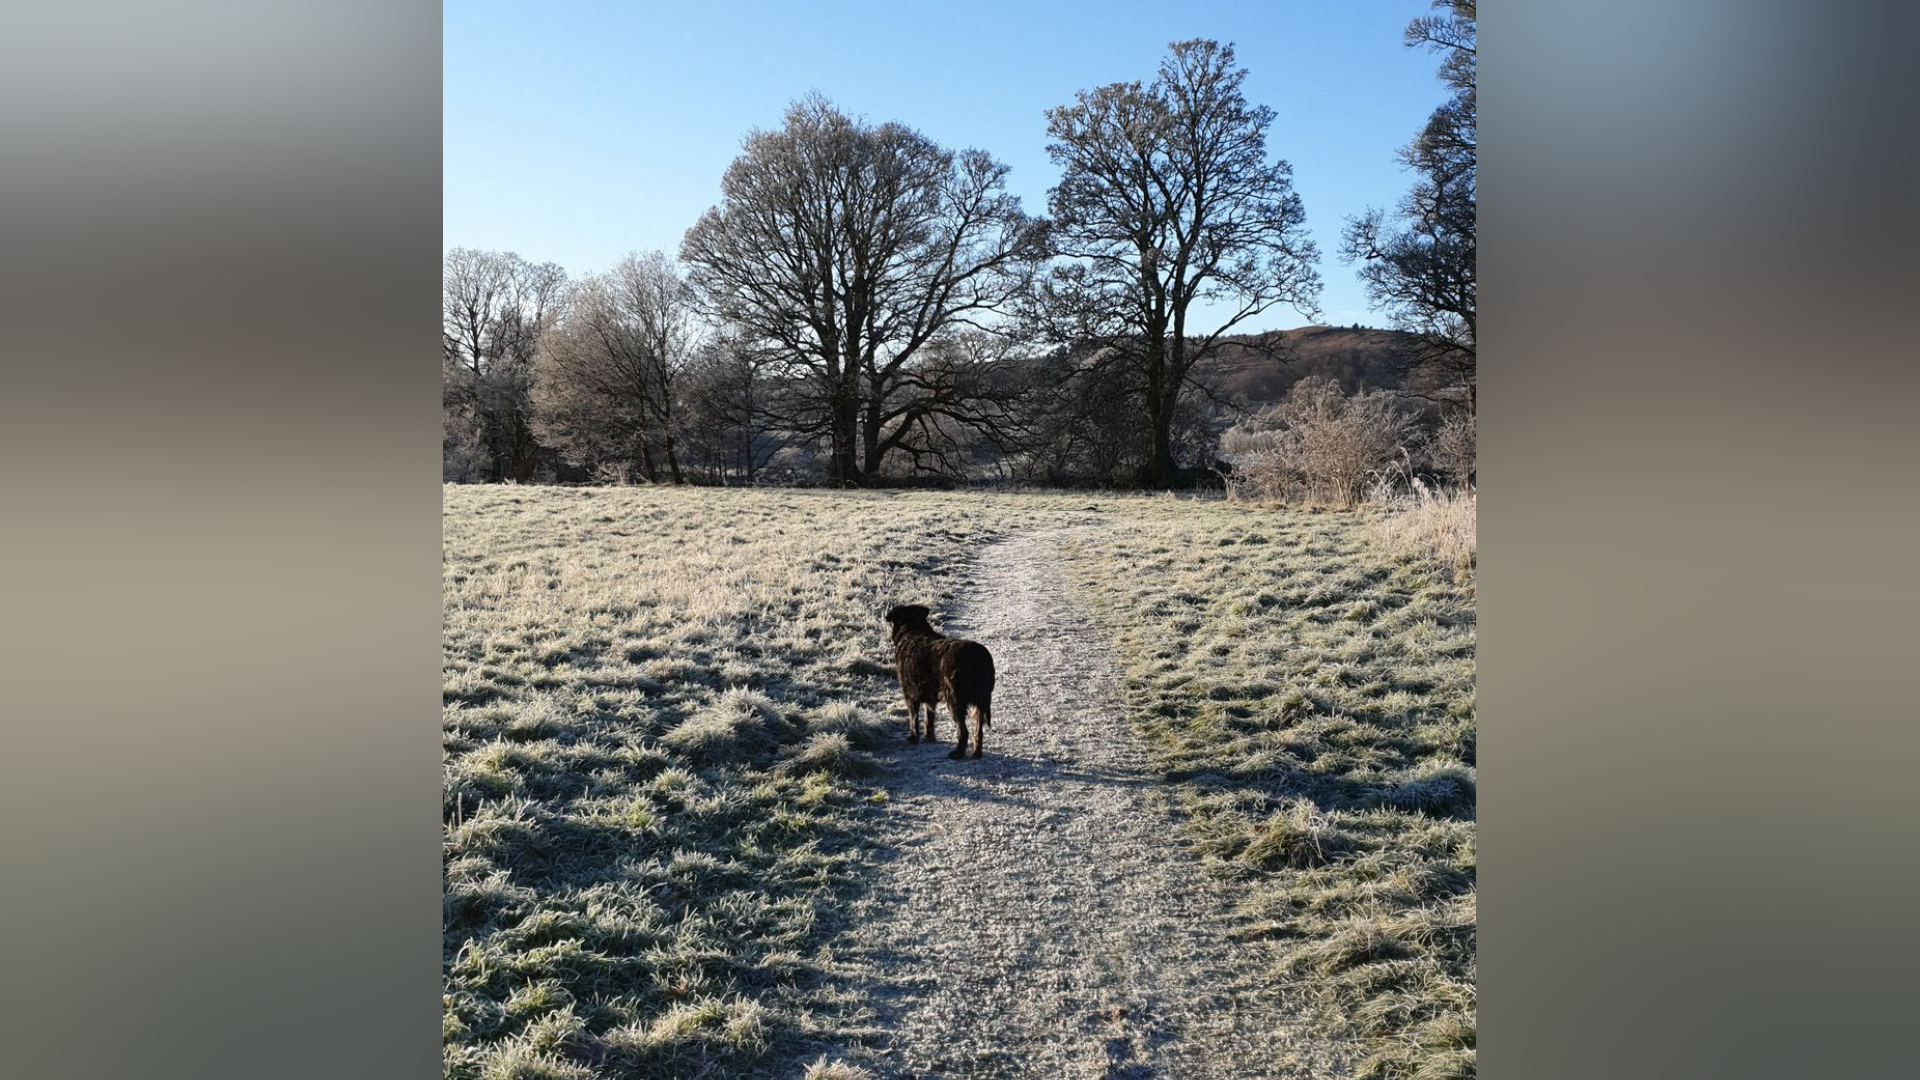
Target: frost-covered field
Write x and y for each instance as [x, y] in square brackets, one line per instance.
[658, 705]
[669, 716]
[1308, 684]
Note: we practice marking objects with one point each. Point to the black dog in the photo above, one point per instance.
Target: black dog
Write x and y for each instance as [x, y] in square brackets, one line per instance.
[936, 668]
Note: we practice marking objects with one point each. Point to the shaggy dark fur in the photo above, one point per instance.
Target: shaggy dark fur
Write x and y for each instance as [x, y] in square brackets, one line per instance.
[934, 669]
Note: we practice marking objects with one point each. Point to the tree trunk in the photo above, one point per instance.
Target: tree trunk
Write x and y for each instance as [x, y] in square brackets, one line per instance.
[1159, 469]
[748, 429]
[673, 464]
[846, 437]
[870, 440]
[525, 450]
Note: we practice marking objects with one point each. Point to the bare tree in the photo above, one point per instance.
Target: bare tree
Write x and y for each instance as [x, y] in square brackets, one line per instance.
[1078, 418]
[1168, 199]
[1421, 265]
[729, 405]
[494, 307]
[960, 402]
[606, 385]
[846, 248]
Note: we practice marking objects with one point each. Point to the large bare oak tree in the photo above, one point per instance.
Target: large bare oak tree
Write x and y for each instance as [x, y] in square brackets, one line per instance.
[847, 249]
[1168, 200]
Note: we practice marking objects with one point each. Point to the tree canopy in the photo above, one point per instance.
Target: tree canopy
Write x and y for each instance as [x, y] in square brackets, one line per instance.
[1420, 264]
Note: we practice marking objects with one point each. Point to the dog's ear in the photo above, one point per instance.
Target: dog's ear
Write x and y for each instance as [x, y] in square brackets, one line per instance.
[893, 614]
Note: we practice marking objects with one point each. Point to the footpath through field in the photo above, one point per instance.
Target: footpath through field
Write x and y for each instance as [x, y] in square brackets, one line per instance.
[1036, 916]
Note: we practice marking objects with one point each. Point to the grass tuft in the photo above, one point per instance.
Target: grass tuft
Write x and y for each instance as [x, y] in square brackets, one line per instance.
[1299, 838]
[1363, 941]
[1440, 527]
[862, 728]
[519, 1061]
[831, 752]
[738, 724]
[836, 1069]
[1438, 789]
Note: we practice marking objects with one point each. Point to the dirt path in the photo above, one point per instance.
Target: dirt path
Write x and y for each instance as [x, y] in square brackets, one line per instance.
[1039, 918]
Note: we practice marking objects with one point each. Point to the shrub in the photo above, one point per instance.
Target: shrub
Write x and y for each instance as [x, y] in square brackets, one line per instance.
[1318, 445]
[615, 474]
[463, 456]
[1453, 449]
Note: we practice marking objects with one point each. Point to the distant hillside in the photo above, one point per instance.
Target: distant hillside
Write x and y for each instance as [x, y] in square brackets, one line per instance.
[1357, 358]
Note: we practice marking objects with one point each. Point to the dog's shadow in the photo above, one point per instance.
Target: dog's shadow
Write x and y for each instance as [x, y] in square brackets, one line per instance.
[912, 769]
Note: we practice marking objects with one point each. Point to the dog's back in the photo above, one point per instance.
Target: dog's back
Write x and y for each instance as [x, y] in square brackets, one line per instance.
[966, 675]
[936, 669]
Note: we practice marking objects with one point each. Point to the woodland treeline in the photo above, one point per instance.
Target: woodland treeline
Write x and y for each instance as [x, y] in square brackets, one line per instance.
[864, 306]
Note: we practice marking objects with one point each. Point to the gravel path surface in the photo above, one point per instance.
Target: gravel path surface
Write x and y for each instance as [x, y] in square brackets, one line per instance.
[1039, 918]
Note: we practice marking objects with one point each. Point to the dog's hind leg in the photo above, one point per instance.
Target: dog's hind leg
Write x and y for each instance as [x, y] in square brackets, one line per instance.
[982, 716]
[913, 721]
[959, 709]
[933, 710]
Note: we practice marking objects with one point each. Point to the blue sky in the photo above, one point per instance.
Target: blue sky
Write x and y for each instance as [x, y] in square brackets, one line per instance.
[577, 132]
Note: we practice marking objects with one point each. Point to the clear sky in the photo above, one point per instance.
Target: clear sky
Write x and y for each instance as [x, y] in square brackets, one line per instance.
[577, 132]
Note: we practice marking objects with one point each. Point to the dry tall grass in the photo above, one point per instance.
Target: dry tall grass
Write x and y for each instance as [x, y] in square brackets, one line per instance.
[1439, 526]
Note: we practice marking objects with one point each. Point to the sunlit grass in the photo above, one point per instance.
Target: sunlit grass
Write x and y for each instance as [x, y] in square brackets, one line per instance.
[664, 711]
[658, 708]
[1307, 683]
